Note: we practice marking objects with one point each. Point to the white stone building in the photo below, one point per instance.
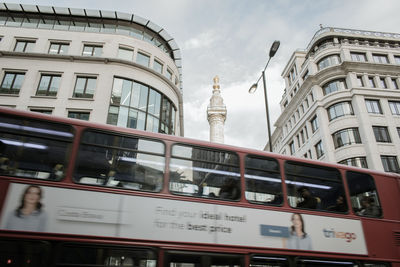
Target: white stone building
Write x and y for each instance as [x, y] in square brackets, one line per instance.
[101, 66]
[342, 100]
[216, 114]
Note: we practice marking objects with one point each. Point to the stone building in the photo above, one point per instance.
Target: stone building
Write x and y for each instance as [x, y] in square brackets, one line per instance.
[101, 66]
[342, 100]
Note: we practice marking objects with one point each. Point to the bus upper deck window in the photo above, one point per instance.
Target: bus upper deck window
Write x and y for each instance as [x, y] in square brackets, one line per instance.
[263, 180]
[363, 194]
[34, 149]
[314, 187]
[120, 161]
[204, 172]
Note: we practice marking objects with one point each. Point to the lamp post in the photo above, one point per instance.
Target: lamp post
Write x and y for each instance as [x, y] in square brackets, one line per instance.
[253, 88]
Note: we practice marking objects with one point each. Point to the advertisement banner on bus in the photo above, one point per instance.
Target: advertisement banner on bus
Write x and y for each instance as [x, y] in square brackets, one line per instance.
[59, 210]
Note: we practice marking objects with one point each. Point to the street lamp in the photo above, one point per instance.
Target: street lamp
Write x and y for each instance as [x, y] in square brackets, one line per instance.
[253, 88]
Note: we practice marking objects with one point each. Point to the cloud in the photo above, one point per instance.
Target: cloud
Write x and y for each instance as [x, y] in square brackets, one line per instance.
[201, 41]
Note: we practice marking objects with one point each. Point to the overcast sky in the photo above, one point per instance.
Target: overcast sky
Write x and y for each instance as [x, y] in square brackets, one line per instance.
[231, 39]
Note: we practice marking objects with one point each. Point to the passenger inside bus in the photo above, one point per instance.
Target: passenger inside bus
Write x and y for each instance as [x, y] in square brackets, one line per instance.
[368, 207]
[230, 190]
[309, 201]
[339, 206]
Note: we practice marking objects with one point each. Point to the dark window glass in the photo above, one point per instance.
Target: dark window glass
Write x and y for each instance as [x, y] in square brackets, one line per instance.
[85, 87]
[135, 105]
[395, 85]
[196, 259]
[263, 180]
[314, 124]
[120, 161]
[79, 115]
[204, 172]
[356, 162]
[268, 261]
[44, 111]
[363, 194]
[340, 109]
[346, 137]
[49, 85]
[314, 187]
[305, 262]
[91, 255]
[12, 83]
[34, 149]
[319, 149]
[360, 81]
[15, 253]
[381, 134]
[390, 164]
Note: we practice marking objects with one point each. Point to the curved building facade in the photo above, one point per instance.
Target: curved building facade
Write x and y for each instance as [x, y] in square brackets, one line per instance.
[342, 100]
[101, 66]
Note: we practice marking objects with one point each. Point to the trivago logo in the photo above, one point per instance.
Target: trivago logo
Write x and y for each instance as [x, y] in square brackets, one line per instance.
[343, 235]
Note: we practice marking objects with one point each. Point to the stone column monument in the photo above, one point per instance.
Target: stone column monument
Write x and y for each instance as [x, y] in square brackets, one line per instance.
[216, 114]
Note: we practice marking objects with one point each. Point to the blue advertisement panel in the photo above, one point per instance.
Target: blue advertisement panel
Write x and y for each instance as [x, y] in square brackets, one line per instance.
[58, 210]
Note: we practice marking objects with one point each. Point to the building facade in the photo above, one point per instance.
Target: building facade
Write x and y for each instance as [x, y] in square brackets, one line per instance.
[342, 100]
[101, 66]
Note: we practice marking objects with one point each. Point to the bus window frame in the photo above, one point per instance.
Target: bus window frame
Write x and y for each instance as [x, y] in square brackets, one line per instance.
[120, 134]
[207, 148]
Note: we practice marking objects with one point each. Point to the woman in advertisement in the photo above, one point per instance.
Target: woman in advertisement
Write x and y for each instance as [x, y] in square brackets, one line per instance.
[29, 215]
[298, 238]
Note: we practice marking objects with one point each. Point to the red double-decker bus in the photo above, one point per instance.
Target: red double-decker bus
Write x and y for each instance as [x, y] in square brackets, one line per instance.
[74, 193]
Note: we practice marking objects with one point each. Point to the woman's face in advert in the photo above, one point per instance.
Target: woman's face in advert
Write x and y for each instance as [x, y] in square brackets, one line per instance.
[32, 195]
[296, 221]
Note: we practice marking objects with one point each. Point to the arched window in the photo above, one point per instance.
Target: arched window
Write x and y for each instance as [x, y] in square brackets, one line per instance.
[329, 61]
[333, 86]
[340, 109]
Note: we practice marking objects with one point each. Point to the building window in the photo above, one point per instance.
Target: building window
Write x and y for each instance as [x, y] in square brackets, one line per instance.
[143, 59]
[382, 83]
[380, 58]
[397, 59]
[136, 105]
[84, 87]
[395, 107]
[292, 75]
[305, 75]
[48, 85]
[340, 109]
[395, 85]
[334, 86]
[79, 115]
[371, 82]
[125, 53]
[360, 57]
[328, 61]
[158, 66]
[92, 50]
[12, 83]
[346, 137]
[319, 149]
[58, 48]
[303, 140]
[169, 74]
[360, 162]
[314, 124]
[398, 131]
[390, 164]
[381, 134]
[24, 46]
[309, 154]
[43, 111]
[360, 82]
[292, 148]
[373, 106]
